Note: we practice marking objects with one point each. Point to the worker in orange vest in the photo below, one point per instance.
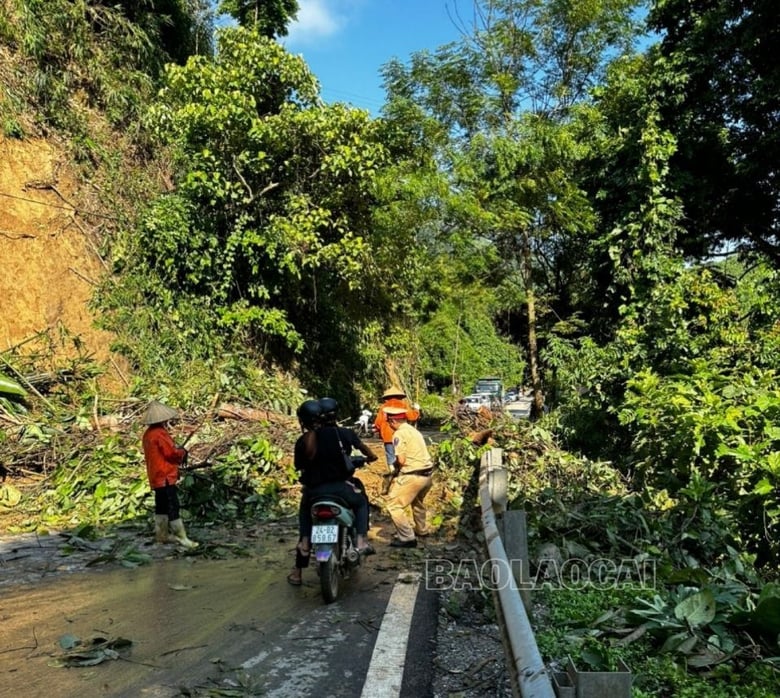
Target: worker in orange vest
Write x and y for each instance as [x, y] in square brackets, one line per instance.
[393, 397]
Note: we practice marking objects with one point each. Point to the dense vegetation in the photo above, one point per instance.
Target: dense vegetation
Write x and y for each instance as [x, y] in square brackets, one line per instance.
[561, 198]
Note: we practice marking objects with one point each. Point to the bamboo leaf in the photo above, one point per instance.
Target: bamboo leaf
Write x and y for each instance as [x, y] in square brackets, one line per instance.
[11, 387]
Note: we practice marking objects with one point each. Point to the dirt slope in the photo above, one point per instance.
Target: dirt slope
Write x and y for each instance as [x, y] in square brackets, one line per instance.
[49, 262]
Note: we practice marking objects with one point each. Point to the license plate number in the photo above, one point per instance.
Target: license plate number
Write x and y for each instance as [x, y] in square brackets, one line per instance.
[324, 534]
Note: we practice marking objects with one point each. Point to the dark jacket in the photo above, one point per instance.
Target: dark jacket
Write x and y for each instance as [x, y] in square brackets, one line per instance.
[328, 464]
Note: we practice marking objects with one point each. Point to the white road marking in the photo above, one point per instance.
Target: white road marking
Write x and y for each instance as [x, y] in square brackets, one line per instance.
[386, 671]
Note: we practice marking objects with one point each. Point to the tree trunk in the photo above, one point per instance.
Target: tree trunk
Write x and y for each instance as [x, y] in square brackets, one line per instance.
[533, 350]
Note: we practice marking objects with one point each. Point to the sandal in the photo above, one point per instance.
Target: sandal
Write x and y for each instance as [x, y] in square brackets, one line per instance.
[294, 577]
[366, 550]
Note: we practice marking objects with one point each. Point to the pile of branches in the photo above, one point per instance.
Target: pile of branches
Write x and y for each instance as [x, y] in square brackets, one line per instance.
[33, 448]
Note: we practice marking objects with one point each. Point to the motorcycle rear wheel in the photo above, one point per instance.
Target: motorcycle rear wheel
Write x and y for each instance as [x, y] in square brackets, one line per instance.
[329, 579]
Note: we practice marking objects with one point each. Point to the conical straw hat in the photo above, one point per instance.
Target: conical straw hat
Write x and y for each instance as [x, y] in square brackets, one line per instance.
[156, 413]
[393, 391]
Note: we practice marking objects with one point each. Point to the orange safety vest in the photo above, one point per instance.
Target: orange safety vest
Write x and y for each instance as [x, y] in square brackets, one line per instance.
[380, 422]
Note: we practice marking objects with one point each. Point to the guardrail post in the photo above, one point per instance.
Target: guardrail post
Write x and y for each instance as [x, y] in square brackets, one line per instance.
[514, 534]
[593, 684]
[497, 479]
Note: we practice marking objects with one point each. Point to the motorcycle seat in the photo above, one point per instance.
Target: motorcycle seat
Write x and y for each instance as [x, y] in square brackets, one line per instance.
[328, 499]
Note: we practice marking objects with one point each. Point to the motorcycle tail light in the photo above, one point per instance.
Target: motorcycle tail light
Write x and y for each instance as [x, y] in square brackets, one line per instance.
[325, 512]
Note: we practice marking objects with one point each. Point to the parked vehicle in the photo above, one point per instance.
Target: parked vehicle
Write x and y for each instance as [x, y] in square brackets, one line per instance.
[472, 403]
[334, 541]
[519, 409]
[492, 386]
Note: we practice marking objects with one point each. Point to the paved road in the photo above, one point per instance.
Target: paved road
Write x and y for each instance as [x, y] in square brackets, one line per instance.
[198, 624]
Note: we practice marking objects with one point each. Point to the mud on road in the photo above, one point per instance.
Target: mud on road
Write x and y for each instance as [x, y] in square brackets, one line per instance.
[222, 620]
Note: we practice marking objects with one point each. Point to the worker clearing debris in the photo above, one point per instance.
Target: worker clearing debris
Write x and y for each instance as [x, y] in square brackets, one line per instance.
[163, 459]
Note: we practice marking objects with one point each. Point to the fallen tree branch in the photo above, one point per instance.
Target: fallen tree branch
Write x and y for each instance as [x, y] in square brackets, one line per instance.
[251, 414]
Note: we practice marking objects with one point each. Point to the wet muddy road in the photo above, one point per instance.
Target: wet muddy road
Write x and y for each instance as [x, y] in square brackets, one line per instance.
[197, 627]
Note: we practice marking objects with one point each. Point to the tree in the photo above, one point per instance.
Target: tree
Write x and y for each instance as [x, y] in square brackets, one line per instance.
[268, 17]
[720, 95]
[505, 94]
[78, 57]
[268, 234]
[182, 27]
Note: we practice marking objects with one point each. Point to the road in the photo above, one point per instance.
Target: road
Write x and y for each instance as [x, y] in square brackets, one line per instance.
[230, 625]
[199, 625]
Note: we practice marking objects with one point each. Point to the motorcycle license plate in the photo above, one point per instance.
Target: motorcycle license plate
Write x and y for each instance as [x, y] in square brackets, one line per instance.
[324, 534]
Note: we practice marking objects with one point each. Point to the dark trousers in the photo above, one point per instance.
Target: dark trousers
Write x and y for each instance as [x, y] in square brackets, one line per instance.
[362, 489]
[166, 501]
[357, 501]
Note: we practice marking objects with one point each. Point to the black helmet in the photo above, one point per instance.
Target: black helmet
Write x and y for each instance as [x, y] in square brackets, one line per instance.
[328, 409]
[309, 412]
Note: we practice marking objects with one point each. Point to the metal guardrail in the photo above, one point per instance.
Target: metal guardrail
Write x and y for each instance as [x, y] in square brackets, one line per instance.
[529, 675]
[529, 671]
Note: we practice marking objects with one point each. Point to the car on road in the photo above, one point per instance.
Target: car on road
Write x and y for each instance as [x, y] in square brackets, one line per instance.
[473, 402]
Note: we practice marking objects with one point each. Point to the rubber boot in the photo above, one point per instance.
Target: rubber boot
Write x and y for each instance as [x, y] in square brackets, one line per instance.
[161, 534]
[177, 529]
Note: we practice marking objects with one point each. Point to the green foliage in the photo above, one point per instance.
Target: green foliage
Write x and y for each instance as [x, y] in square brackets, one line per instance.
[73, 57]
[627, 176]
[102, 485]
[245, 483]
[716, 86]
[589, 382]
[436, 410]
[267, 240]
[269, 17]
[588, 625]
[713, 440]
[692, 622]
[461, 344]
[688, 615]
[11, 387]
[684, 402]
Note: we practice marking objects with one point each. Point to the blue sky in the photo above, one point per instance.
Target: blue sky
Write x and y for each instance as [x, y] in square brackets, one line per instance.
[346, 42]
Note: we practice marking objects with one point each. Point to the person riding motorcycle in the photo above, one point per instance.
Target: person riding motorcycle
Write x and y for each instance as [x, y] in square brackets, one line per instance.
[330, 471]
[308, 414]
[320, 460]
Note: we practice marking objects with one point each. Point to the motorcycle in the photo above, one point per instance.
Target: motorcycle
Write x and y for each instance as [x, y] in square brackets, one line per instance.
[363, 425]
[334, 541]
